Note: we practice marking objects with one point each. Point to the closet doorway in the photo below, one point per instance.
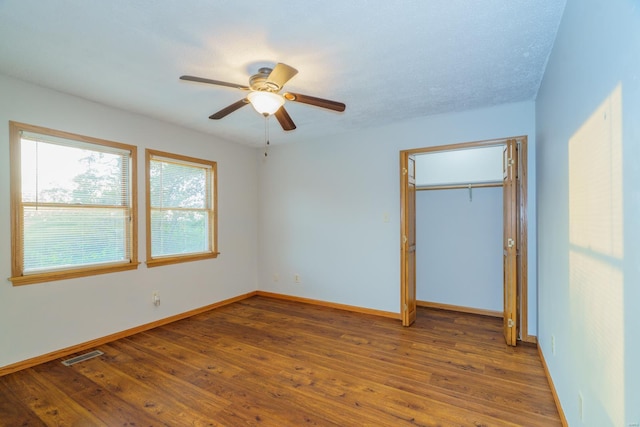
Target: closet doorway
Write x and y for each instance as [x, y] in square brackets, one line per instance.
[514, 235]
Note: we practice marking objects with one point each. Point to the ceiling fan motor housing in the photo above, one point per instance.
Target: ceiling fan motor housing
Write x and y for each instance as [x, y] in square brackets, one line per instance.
[259, 81]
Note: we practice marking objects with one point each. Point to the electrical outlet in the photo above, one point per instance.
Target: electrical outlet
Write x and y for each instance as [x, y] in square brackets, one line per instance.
[296, 278]
[553, 345]
[155, 298]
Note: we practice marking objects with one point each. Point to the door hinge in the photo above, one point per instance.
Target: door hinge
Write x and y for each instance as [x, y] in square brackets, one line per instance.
[404, 239]
[510, 323]
[510, 242]
[406, 307]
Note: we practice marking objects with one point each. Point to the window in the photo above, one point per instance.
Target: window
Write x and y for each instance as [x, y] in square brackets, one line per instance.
[72, 205]
[181, 208]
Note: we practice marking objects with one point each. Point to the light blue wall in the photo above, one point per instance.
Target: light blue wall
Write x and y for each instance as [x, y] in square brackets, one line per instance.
[473, 165]
[459, 247]
[324, 205]
[588, 176]
[41, 318]
[327, 210]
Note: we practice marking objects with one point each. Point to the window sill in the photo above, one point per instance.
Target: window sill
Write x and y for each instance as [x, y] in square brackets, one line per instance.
[70, 274]
[156, 262]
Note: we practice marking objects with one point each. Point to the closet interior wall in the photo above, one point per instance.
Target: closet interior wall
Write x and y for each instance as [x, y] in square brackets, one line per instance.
[459, 246]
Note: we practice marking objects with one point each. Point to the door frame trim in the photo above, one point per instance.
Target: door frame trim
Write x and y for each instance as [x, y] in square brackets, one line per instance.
[522, 263]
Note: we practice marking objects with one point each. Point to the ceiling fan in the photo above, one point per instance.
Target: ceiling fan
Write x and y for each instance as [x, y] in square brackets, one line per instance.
[264, 96]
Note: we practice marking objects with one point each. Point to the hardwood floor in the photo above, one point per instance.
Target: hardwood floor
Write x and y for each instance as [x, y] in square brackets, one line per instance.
[271, 362]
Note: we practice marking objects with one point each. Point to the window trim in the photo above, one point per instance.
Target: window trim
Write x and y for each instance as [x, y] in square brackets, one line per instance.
[213, 232]
[15, 188]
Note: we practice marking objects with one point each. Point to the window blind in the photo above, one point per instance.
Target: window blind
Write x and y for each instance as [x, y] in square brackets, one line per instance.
[76, 203]
[181, 207]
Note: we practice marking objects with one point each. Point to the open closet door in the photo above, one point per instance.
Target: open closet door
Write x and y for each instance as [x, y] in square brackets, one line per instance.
[509, 170]
[408, 238]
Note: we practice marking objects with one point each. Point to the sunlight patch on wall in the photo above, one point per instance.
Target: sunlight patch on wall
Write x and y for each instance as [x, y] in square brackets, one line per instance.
[596, 254]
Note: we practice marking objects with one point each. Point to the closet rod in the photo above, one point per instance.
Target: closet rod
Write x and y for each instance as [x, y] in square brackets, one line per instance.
[459, 186]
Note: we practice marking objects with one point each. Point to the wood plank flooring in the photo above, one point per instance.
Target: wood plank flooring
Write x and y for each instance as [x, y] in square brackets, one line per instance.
[270, 362]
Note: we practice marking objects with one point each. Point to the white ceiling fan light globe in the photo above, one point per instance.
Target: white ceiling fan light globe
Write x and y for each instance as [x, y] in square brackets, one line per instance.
[266, 103]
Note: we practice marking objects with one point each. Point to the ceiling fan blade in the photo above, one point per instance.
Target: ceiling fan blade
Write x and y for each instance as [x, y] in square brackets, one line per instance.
[213, 82]
[284, 119]
[230, 109]
[317, 102]
[281, 74]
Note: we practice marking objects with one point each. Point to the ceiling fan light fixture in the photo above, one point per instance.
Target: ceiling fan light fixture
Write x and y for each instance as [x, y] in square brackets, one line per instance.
[266, 103]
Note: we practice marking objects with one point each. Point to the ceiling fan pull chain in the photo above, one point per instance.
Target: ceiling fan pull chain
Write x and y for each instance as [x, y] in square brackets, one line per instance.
[266, 134]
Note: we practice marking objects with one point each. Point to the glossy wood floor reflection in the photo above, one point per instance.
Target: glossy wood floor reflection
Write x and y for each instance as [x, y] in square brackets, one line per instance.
[271, 362]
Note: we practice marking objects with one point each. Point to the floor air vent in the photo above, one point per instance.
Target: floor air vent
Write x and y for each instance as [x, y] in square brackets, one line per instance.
[82, 358]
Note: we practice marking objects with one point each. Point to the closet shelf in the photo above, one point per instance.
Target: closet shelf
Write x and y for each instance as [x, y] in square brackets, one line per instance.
[459, 186]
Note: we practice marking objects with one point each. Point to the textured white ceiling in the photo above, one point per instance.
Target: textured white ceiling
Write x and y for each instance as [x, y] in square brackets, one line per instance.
[387, 60]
